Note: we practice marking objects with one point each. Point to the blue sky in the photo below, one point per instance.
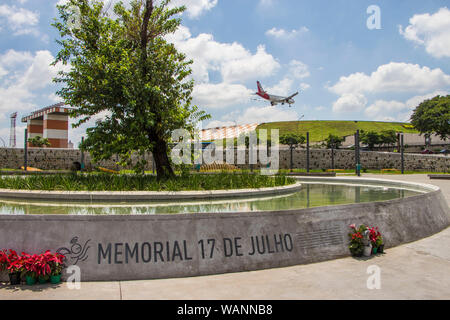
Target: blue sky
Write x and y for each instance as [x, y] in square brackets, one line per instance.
[322, 48]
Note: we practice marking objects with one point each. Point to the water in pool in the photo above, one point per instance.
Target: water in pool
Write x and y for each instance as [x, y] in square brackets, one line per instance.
[311, 195]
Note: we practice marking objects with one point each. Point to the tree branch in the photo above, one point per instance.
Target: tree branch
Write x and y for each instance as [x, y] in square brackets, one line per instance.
[144, 29]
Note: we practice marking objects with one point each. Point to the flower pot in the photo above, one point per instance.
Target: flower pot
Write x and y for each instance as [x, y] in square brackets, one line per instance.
[42, 280]
[381, 248]
[14, 278]
[55, 279]
[367, 251]
[30, 280]
[374, 250]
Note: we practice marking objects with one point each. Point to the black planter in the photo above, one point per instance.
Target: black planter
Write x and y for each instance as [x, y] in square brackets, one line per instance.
[381, 248]
[14, 278]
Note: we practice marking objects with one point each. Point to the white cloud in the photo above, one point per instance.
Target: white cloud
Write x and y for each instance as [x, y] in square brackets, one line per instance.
[393, 77]
[254, 115]
[383, 108]
[397, 110]
[267, 114]
[195, 8]
[283, 88]
[19, 20]
[24, 74]
[350, 102]
[304, 86]
[214, 96]
[249, 66]
[430, 31]
[283, 34]
[298, 69]
[234, 62]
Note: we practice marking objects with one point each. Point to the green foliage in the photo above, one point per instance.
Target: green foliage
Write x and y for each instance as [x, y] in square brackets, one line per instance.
[107, 182]
[125, 73]
[292, 140]
[388, 137]
[39, 142]
[372, 138]
[433, 116]
[334, 141]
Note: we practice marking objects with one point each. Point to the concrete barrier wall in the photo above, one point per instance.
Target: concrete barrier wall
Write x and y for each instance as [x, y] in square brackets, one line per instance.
[55, 159]
[166, 246]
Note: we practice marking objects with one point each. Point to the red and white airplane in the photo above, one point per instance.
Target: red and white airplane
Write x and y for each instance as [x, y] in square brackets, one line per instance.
[274, 100]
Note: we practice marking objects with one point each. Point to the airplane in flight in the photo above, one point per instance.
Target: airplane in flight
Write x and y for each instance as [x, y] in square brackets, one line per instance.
[274, 100]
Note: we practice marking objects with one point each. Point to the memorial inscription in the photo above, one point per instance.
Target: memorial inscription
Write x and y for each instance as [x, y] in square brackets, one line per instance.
[182, 250]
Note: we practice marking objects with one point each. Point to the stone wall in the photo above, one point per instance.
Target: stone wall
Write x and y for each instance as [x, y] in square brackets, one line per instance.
[345, 159]
[52, 159]
[55, 159]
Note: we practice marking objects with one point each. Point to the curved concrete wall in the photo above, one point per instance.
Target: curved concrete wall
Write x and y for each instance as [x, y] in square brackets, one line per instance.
[150, 247]
[116, 196]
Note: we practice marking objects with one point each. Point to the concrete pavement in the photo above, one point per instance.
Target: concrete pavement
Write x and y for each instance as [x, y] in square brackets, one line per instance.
[418, 270]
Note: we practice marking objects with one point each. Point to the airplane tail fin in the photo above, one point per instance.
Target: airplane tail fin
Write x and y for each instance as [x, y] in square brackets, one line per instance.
[260, 88]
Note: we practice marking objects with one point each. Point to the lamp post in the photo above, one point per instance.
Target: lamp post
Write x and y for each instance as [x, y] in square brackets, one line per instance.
[358, 165]
[307, 152]
[25, 150]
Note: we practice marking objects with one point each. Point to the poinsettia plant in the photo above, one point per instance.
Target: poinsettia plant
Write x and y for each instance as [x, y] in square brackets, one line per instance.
[36, 265]
[56, 262]
[30, 265]
[6, 259]
[3, 260]
[17, 265]
[356, 237]
[375, 237]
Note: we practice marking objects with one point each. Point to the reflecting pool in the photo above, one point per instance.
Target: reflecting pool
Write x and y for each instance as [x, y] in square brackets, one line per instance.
[311, 195]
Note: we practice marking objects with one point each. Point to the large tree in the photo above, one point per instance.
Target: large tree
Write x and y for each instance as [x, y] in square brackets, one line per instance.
[433, 116]
[124, 73]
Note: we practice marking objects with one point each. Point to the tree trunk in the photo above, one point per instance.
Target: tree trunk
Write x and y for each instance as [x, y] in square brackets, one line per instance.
[163, 168]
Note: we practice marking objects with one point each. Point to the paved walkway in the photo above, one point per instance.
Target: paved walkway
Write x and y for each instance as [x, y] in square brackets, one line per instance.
[419, 270]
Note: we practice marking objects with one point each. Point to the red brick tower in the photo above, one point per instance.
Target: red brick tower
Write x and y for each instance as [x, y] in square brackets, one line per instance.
[52, 123]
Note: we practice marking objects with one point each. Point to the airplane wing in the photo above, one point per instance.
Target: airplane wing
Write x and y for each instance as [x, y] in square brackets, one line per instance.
[290, 97]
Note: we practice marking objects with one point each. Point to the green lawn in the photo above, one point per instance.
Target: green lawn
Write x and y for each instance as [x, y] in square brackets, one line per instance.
[319, 130]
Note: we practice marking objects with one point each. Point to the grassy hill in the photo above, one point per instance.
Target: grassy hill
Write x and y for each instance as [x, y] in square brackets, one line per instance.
[319, 130]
